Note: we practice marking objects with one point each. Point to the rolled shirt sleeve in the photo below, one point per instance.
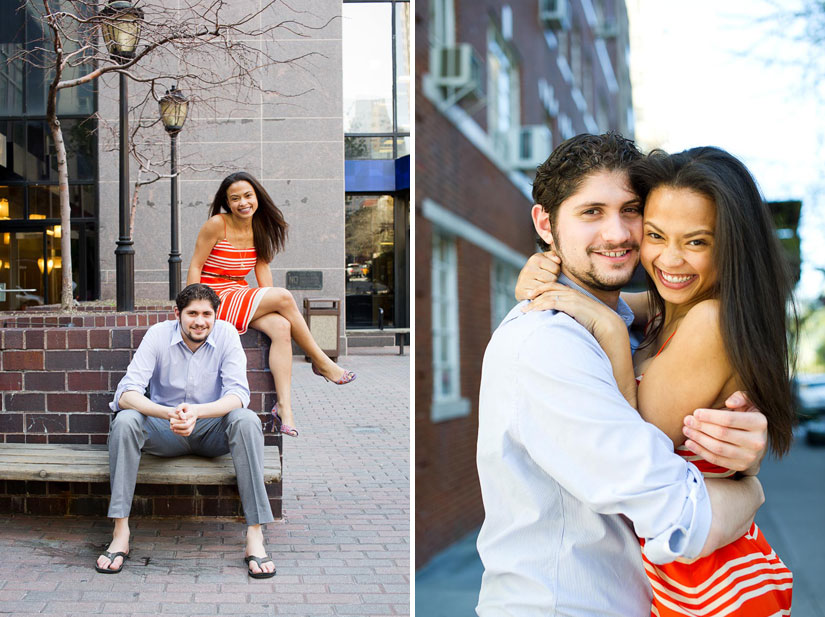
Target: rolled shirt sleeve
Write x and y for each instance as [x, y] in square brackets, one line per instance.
[576, 425]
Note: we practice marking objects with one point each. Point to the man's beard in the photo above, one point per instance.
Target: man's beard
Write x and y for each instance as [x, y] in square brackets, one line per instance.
[591, 277]
[189, 334]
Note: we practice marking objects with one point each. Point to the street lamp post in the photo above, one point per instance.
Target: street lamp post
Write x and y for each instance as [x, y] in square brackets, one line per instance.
[121, 33]
[173, 109]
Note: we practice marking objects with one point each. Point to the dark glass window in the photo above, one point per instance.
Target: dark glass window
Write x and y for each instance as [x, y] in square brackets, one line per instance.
[12, 150]
[44, 201]
[31, 262]
[12, 39]
[12, 202]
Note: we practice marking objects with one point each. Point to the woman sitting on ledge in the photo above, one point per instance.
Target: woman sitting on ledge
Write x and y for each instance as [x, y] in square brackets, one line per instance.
[245, 230]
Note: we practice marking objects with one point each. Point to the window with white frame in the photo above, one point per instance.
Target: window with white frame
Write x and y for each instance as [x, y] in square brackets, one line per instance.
[503, 286]
[502, 101]
[447, 401]
[442, 23]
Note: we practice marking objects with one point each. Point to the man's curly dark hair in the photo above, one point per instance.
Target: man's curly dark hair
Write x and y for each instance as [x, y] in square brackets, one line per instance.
[197, 291]
[561, 175]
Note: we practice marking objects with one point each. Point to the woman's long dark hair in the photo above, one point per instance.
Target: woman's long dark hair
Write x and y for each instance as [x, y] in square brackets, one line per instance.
[754, 284]
[269, 229]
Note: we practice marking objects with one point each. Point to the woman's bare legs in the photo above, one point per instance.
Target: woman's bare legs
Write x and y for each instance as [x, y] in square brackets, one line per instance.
[277, 328]
[279, 300]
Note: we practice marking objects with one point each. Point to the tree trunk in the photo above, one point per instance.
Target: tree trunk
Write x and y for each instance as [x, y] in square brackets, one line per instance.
[65, 213]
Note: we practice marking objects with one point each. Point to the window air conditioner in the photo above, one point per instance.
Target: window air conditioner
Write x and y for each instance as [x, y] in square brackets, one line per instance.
[457, 67]
[554, 14]
[532, 145]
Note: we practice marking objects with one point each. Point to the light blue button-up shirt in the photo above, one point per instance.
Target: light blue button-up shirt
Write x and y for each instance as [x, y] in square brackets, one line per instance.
[175, 375]
[566, 467]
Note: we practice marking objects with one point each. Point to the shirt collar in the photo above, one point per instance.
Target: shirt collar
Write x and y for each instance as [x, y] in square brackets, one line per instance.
[177, 337]
[622, 308]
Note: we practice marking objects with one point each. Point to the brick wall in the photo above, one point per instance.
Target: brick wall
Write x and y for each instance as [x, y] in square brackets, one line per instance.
[58, 374]
[453, 173]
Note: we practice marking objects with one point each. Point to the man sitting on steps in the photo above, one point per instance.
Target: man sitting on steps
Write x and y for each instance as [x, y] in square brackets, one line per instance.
[195, 369]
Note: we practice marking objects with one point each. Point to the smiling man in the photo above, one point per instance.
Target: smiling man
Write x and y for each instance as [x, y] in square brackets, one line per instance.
[195, 369]
[570, 473]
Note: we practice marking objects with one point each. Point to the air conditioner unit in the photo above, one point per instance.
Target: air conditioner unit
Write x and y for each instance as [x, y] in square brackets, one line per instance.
[531, 146]
[554, 14]
[457, 67]
[607, 30]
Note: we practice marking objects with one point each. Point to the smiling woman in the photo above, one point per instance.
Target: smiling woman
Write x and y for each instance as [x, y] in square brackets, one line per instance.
[678, 244]
[244, 232]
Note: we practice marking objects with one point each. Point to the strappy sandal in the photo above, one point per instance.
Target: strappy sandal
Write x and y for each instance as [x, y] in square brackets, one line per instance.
[346, 378]
[283, 429]
[260, 561]
[111, 557]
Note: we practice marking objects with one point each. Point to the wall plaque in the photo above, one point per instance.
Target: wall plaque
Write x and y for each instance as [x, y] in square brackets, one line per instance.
[304, 279]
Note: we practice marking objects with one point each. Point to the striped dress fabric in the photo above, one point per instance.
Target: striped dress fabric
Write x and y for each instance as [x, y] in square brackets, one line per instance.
[742, 579]
[238, 300]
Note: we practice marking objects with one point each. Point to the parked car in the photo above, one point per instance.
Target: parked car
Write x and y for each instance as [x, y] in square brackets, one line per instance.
[809, 395]
[815, 432]
[809, 400]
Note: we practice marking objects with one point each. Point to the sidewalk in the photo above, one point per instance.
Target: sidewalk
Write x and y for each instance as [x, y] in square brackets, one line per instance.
[342, 548]
[792, 520]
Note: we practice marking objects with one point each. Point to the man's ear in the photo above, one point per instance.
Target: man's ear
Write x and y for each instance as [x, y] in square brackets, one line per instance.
[177, 313]
[541, 221]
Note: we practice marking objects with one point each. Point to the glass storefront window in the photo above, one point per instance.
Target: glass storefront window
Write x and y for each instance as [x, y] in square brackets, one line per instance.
[31, 266]
[12, 38]
[41, 159]
[403, 146]
[366, 148]
[402, 66]
[45, 201]
[12, 202]
[12, 150]
[19, 255]
[367, 54]
[370, 269]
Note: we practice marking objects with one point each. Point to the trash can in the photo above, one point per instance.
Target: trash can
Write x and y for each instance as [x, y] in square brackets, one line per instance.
[322, 316]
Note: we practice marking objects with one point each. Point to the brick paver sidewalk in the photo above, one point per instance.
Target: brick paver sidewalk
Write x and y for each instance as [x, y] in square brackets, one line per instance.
[342, 549]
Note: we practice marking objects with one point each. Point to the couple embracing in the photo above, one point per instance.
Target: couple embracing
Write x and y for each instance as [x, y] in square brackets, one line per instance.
[614, 481]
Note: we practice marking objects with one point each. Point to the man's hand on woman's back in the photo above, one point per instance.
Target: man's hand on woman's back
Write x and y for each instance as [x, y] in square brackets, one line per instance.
[736, 437]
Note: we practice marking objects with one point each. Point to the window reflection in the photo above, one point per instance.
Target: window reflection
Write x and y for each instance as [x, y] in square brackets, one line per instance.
[402, 66]
[365, 148]
[12, 37]
[12, 150]
[12, 202]
[367, 53]
[370, 244]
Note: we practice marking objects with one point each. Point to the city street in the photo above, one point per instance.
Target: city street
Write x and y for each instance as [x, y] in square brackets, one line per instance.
[792, 519]
[342, 548]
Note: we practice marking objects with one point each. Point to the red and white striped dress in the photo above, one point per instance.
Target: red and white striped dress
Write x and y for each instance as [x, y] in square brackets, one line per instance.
[744, 578]
[238, 300]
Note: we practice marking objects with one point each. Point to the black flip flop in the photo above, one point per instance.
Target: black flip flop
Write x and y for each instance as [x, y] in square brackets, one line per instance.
[260, 561]
[112, 557]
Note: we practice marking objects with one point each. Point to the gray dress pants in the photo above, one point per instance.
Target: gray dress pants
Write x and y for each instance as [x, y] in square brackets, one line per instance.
[238, 432]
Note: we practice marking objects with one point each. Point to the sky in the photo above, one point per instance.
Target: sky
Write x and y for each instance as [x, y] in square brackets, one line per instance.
[726, 74]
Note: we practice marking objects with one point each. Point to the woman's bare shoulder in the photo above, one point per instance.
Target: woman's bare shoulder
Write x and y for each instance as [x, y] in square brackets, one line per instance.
[214, 226]
[704, 316]
[701, 330]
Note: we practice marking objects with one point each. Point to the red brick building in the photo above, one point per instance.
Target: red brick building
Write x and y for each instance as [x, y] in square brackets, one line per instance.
[498, 86]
